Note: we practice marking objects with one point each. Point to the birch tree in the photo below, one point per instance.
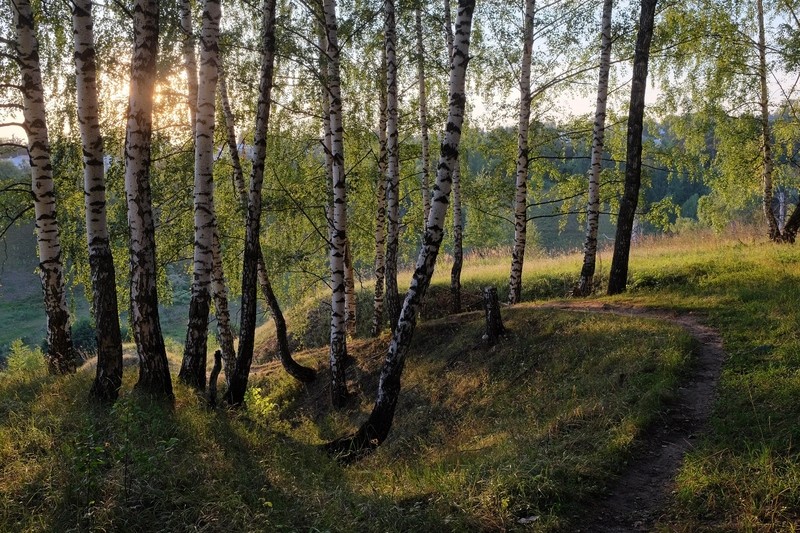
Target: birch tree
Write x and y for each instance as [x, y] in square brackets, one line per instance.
[458, 226]
[392, 298]
[585, 282]
[108, 376]
[61, 356]
[618, 278]
[423, 112]
[154, 374]
[338, 234]
[241, 373]
[376, 428]
[380, 201]
[193, 367]
[521, 194]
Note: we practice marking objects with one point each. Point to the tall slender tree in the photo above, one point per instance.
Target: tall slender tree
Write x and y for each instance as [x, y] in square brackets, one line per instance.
[61, 356]
[375, 430]
[585, 283]
[521, 194]
[193, 367]
[458, 225]
[380, 200]
[154, 374]
[423, 113]
[392, 298]
[108, 376]
[252, 250]
[338, 233]
[618, 278]
[293, 368]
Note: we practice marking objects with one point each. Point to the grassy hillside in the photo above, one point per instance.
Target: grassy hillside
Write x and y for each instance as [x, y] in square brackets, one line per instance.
[538, 426]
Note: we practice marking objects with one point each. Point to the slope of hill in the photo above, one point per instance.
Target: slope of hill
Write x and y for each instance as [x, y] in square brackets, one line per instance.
[528, 435]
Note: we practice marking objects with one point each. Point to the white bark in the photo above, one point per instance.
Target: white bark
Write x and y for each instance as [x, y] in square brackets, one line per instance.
[376, 428]
[193, 368]
[423, 114]
[153, 368]
[521, 193]
[338, 347]
[585, 283]
[108, 377]
[60, 354]
[189, 59]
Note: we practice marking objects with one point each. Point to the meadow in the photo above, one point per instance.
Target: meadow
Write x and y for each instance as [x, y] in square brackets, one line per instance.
[526, 435]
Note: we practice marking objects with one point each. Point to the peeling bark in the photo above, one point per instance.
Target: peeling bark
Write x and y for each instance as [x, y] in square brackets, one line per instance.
[375, 430]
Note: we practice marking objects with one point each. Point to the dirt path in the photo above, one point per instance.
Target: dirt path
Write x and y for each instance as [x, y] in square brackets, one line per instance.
[636, 501]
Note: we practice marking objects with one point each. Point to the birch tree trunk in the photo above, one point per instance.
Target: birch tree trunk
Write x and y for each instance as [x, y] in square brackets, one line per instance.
[61, 357]
[423, 114]
[108, 376]
[374, 431]
[294, 369]
[189, 59]
[458, 225]
[584, 286]
[154, 377]
[238, 382]
[521, 194]
[193, 367]
[380, 218]
[338, 346]
[219, 291]
[392, 299]
[618, 278]
[766, 137]
[349, 291]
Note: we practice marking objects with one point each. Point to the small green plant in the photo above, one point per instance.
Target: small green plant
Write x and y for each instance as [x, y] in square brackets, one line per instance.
[25, 361]
[261, 407]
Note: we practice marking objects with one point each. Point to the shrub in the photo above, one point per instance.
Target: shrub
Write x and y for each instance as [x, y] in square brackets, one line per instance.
[24, 360]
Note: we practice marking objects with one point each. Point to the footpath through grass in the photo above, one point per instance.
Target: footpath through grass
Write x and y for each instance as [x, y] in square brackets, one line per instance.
[535, 427]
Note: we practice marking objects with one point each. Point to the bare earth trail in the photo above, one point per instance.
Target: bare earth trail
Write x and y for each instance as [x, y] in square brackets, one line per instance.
[637, 500]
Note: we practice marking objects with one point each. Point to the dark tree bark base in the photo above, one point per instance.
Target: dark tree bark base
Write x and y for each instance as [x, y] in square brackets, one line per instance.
[212, 380]
[494, 322]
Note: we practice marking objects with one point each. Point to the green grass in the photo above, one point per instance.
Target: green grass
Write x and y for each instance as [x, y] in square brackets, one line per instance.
[537, 426]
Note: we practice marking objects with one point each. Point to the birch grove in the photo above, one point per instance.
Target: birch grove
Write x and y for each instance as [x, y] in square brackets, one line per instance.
[376, 428]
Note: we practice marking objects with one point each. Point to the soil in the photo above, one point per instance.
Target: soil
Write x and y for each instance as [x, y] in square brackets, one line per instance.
[637, 499]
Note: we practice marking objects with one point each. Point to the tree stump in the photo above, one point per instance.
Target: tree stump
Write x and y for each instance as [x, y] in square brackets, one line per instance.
[212, 380]
[494, 322]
